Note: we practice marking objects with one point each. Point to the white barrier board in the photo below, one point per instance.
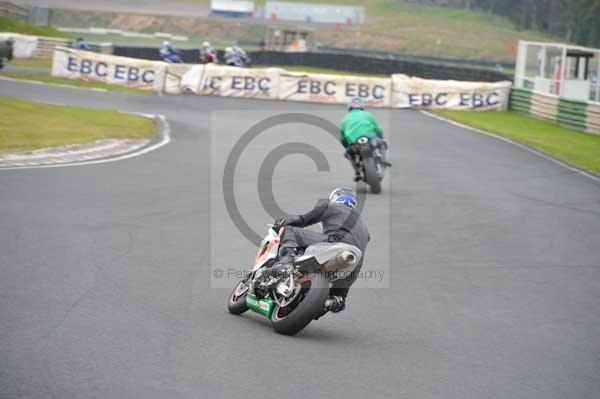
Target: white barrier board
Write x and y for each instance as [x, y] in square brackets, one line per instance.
[123, 71]
[24, 46]
[335, 89]
[230, 81]
[409, 92]
[175, 74]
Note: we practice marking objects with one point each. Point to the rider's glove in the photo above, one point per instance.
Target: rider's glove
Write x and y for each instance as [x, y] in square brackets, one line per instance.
[285, 221]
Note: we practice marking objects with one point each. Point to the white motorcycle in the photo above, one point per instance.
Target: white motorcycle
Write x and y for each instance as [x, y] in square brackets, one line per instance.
[291, 296]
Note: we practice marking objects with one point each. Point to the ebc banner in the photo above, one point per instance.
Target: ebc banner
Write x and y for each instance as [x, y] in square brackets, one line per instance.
[124, 71]
[336, 89]
[409, 92]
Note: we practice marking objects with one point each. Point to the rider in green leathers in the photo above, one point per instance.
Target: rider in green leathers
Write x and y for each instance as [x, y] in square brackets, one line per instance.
[359, 123]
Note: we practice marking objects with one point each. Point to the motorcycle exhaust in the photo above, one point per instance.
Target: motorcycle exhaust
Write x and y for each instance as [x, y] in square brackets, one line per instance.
[341, 261]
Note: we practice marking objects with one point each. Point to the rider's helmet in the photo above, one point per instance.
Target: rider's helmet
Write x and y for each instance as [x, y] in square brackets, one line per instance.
[343, 195]
[355, 103]
[166, 43]
[205, 44]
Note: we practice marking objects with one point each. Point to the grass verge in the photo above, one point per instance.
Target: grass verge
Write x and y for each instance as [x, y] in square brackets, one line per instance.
[18, 26]
[577, 148]
[33, 62]
[28, 125]
[39, 77]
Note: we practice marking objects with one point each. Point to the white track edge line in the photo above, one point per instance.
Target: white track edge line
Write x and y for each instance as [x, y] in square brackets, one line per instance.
[165, 133]
[506, 140]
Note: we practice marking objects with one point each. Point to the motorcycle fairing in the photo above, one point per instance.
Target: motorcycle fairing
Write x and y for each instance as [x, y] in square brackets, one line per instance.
[268, 249]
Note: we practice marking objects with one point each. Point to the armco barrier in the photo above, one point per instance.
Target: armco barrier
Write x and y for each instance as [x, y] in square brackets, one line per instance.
[190, 56]
[577, 115]
[417, 58]
[377, 65]
[351, 63]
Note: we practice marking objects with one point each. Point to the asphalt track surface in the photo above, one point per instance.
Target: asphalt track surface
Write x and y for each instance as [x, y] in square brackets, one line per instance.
[105, 271]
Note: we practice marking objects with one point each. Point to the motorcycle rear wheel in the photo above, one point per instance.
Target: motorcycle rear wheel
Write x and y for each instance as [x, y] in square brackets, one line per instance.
[371, 175]
[291, 319]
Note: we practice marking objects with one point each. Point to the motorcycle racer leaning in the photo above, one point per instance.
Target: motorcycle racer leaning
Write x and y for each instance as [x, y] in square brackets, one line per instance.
[359, 123]
[341, 223]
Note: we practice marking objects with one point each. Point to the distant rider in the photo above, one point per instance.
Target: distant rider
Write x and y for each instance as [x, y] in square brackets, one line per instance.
[208, 54]
[358, 123]
[236, 56]
[168, 53]
[341, 223]
[80, 44]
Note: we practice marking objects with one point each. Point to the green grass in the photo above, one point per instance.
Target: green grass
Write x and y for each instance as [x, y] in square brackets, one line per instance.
[308, 69]
[436, 31]
[18, 26]
[574, 147]
[33, 62]
[39, 77]
[27, 125]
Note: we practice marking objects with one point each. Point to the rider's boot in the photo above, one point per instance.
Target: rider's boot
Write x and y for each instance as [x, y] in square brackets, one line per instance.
[285, 261]
[383, 151]
[335, 303]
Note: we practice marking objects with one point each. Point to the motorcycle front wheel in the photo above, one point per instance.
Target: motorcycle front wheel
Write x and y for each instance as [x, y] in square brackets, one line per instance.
[237, 300]
[309, 304]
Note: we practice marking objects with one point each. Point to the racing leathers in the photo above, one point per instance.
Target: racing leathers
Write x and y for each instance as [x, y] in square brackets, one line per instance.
[360, 123]
[341, 223]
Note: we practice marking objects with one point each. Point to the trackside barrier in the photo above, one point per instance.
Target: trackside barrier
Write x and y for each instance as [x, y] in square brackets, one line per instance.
[397, 91]
[578, 115]
[227, 81]
[130, 72]
[33, 46]
[334, 89]
[23, 45]
[410, 92]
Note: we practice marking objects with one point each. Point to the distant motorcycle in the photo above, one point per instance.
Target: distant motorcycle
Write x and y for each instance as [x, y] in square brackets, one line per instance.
[368, 158]
[169, 54]
[237, 57]
[172, 58]
[292, 295]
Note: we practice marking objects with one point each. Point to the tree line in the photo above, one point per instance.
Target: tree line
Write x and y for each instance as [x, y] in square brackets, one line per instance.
[575, 21]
